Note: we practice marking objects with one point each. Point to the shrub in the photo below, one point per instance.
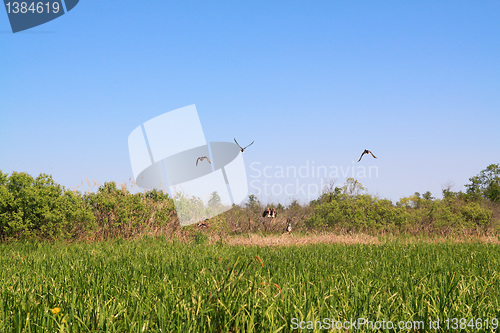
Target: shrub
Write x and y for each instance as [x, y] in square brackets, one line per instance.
[118, 212]
[424, 213]
[39, 207]
[476, 214]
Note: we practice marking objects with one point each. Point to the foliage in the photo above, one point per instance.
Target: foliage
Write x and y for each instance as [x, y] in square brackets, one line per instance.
[154, 285]
[342, 208]
[40, 207]
[118, 212]
[352, 187]
[192, 209]
[200, 238]
[253, 203]
[486, 184]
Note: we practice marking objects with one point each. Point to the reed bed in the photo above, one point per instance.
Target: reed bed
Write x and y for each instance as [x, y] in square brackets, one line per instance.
[158, 285]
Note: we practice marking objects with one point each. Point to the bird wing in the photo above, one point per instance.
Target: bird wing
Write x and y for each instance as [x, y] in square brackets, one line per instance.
[202, 158]
[373, 155]
[237, 143]
[361, 156]
[249, 145]
[265, 213]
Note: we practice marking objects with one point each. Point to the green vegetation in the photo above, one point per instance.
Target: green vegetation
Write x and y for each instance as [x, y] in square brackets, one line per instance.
[40, 208]
[180, 280]
[415, 214]
[191, 209]
[155, 285]
[486, 184]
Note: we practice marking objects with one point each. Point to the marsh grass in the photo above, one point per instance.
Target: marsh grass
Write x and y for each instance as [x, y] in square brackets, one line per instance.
[156, 285]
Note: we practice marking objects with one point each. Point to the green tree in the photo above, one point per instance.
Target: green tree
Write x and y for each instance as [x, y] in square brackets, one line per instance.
[427, 196]
[486, 184]
[214, 201]
[253, 203]
[352, 187]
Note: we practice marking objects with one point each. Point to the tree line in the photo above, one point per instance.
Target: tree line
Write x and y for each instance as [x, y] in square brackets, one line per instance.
[42, 209]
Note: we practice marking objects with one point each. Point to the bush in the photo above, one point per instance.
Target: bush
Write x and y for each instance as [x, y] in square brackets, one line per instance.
[118, 212]
[338, 209]
[39, 207]
[474, 213]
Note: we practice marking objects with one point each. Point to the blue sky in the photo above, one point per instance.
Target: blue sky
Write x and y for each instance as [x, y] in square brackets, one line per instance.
[313, 83]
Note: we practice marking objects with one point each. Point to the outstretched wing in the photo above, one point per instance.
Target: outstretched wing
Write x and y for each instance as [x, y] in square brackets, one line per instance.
[249, 145]
[237, 143]
[373, 155]
[201, 158]
[361, 156]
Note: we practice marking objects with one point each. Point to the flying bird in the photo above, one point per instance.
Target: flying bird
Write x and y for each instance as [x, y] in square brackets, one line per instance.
[243, 149]
[366, 152]
[202, 158]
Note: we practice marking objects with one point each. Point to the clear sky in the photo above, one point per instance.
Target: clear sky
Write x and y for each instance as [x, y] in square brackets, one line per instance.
[314, 83]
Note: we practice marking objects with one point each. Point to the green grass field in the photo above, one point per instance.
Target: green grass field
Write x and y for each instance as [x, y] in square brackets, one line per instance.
[155, 285]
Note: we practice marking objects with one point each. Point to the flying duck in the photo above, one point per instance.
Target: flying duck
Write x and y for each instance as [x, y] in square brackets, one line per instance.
[202, 158]
[366, 152]
[242, 149]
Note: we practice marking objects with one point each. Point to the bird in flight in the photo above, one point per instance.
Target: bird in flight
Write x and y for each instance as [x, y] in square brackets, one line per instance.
[202, 158]
[366, 152]
[243, 149]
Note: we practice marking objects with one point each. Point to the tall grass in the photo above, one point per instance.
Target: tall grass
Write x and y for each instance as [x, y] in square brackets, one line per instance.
[155, 285]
